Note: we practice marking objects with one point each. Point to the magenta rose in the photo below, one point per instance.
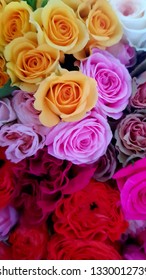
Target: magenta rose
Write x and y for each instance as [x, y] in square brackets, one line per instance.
[113, 81]
[131, 181]
[106, 165]
[133, 252]
[8, 218]
[138, 98]
[7, 113]
[130, 137]
[22, 141]
[80, 142]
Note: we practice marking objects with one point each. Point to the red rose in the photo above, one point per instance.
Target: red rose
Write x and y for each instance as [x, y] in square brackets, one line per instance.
[29, 243]
[6, 184]
[60, 248]
[93, 212]
[5, 252]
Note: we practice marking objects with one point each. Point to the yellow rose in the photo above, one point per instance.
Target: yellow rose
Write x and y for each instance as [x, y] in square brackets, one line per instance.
[66, 97]
[58, 25]
[14, 21]
[3, 78]
[29, 63]
[103, 24]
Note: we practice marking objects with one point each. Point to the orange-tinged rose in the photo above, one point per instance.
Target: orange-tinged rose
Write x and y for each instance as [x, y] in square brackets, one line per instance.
[58, 25]
[14, 21]
[66, 97]
[29, 63]
[103, 24]
[3, 78]
[2, 62]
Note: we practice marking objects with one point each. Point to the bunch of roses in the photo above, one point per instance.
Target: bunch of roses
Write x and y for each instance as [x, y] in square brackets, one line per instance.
[72, 129]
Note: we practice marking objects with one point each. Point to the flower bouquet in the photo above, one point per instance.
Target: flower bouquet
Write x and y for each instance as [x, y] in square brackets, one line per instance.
[72, 130]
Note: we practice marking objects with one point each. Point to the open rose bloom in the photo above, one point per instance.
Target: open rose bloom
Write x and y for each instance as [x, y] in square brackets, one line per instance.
[73, 130]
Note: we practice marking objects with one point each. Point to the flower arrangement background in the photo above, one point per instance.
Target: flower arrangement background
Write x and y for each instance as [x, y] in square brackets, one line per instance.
[72, 129]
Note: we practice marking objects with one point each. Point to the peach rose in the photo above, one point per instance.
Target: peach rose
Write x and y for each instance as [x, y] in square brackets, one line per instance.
[14, 21]
[29, 63]
[103, 24]
[58, 25]
[67, 97]
[2, 62]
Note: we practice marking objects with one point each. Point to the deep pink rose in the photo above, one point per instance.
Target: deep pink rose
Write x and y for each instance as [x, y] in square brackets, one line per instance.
[131, 137]
[80, 142]
[7, 113]
[131, 181]
[22, 141]
[138, 98]
[133, 252]
[113, 81]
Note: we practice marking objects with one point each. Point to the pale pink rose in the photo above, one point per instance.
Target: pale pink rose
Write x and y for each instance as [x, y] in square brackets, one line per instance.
[22, 141]
[8, 218]
[7, 113]
[80, 142]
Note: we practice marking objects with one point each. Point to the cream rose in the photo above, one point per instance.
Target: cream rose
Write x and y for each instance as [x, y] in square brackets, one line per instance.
[14, 21]
[58, 26]
[29, 63]
[132, 14]
[67, 97]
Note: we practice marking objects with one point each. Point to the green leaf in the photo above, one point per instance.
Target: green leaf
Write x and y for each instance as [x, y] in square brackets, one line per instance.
[44, 2]
[6, 90]
[31, 3]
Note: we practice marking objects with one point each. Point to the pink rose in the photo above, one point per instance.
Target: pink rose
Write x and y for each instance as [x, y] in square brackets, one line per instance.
[80, 142]
[22, 103]
[124, 52]
[131, 137]
[138, 98]
[113, 81]
[106, 165]
[7, 114]
[8, 218]
[131, 181]
[21, 140]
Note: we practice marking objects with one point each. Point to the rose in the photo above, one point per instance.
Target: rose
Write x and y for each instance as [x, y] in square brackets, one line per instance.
[28, 243]
[57, 177]
[29, 63]
[8, 218]
[6, 184]
[2, 62]
[3, 78]
[92, 213]
[131, 181]
[14, 21]
[7, 114]
[132, 15]
[5, 252]
[113, 81]
[130, 137]
[133, 252]
[124, 52]
[22, 141]
[67, 97]
[60, 248]
[81, 142]
[138, 98]
[103, 24]
[58, 26]
[106, 165]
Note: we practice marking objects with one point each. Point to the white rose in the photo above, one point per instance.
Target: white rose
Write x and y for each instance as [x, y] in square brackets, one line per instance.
[132, 14]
